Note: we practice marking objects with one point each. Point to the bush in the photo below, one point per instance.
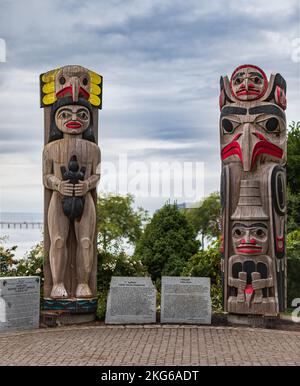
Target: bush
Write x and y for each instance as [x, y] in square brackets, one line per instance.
[293, 266]
[101, 308]
[207, 264]
[293, 282]
[7, 258]
[114, 265]
[168, 241]
[32, 263]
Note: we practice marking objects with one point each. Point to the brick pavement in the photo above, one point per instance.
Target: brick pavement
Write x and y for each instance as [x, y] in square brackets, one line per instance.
[150, 345]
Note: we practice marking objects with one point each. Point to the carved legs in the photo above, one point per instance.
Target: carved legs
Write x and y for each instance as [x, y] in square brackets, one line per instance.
[58, 225]
[84, 229]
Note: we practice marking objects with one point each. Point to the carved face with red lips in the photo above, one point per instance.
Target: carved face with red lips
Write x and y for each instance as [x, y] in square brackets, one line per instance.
[70, 82]
[252, 134]
[248, 83]
[250, 238]
[72, 119]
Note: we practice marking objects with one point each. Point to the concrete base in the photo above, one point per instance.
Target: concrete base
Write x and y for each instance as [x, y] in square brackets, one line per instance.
[290, 318]
[62, 318]
[253, 320]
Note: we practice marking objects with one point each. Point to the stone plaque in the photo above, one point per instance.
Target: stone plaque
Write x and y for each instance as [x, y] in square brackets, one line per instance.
[131, 300]
[185, 300]
[19, 303]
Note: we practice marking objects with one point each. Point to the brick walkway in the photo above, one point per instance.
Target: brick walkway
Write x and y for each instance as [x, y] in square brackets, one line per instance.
[150, 345]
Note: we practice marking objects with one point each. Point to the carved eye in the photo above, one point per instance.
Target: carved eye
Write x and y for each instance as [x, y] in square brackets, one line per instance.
[237, 232]
[272, 124]
[82, 115]
[229, 126]
[85, 81]
[64, 115]
[260, 233]
[62, 80]
[238, 81]
[257, 80]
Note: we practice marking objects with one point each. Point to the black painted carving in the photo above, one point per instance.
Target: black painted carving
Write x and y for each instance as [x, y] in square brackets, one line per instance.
[72, 205]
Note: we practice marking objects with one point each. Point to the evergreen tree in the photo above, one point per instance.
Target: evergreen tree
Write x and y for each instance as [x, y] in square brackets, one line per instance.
[168, 241]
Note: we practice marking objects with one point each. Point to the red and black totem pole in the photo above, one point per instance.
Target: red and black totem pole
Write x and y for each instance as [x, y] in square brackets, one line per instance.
[253, 191]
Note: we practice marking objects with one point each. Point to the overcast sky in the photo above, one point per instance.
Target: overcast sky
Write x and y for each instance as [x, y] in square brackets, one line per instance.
[161, 61]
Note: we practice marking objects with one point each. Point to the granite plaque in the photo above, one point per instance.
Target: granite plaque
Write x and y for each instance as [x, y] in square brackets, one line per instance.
[185, 300]
[131, 300]
[19, 302]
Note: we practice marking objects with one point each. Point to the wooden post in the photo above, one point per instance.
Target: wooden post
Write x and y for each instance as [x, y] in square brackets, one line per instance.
[71, 97]
[253, 191]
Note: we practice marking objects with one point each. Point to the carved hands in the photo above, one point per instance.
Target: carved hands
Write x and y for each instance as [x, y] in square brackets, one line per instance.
[65, 188]
[262, 283]
[238, 283]
[81, 188]
[256, 284]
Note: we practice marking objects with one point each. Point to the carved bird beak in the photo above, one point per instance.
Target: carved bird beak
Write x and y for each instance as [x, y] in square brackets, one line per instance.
[74, 82]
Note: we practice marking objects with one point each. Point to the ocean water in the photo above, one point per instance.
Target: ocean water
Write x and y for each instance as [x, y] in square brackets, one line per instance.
[24, 238]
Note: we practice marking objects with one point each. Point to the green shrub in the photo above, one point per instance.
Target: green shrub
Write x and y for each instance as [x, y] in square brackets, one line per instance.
[206, 263]
[116, 265]
[101, 308]
[168, 241]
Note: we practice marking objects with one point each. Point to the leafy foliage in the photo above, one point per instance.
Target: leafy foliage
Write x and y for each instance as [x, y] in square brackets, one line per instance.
[31, 264]
[293, 245]
[6, 258]
[206, 219]
[293, 154]
[114, 265]
[118, 222]
[206, 263]
[293, 209]
[168, 241]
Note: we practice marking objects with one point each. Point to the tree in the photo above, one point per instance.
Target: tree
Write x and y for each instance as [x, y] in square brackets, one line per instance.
[118, 222]
[293, 177]
[293, 158]
[206, 219]
[293, 211]
[168, 241]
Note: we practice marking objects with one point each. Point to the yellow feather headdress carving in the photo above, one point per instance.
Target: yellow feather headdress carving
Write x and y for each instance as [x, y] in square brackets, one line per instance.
[74, 80]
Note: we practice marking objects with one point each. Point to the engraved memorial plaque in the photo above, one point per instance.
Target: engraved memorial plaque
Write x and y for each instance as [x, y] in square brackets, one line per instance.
[131, 300]
[185, 300]
[19, 303]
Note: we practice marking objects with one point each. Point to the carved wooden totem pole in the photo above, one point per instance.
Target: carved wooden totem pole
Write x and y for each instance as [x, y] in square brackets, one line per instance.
[253, 190]
[71, 97]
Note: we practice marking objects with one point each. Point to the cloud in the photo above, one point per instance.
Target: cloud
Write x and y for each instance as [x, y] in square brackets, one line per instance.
[161, 62]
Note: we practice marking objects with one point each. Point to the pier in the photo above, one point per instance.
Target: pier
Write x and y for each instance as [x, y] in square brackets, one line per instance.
[21, 224]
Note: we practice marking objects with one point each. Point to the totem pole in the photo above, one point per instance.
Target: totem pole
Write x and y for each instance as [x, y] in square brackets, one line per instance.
[71, 97]
[253, 191]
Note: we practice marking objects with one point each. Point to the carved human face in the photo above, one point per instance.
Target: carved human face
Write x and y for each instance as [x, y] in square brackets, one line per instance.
[250, 238]
[248, 83]
[73, 81]
[252, 135]
[72, 119]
